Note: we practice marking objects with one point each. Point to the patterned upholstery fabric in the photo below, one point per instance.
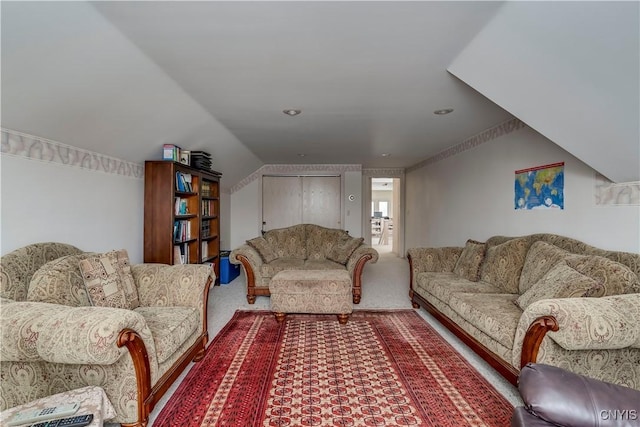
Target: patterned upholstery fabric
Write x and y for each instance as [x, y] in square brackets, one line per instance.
[289, 242]
[503, 264]
[263, 248]
[108, 280]
[343, 248]
[613, 278]
[561, 281]
[311, 291]
[280, 264]
[468, 265]
[17, 267]
[434, 259]
[320, 241]
[322, 265]
[444, 285]
[60, 282]
[542, 256]
[34, 364]
[599, 336]
[170, 327]
[494, 314]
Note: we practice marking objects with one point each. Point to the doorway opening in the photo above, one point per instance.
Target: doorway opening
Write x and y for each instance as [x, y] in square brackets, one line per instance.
[385, 205]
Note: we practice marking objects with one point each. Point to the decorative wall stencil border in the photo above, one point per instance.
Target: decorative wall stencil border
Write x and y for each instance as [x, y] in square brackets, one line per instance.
[497, 131]
[384, 173]
[290, 169]
[609, 193]
[33, 147]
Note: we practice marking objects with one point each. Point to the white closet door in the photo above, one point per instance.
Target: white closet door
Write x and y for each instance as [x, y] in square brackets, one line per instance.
[281, 201]
[321, 201]
[288, 200]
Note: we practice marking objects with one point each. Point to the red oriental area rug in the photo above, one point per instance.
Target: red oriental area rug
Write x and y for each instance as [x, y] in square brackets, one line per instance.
[383, 368]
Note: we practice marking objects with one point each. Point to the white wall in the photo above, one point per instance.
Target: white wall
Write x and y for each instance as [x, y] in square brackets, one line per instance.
[94, 211]
[353, 208]
[471, 195]
[246, 206]
[569, 69]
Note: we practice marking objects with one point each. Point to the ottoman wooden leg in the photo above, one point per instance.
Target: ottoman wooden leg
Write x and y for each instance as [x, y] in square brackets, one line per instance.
[342, 318]
[280, 317]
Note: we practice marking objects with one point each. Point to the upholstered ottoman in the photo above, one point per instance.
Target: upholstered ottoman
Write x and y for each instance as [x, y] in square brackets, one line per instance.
[311, 291]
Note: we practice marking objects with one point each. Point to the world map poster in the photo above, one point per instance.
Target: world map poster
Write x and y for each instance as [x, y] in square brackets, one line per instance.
[541, 187]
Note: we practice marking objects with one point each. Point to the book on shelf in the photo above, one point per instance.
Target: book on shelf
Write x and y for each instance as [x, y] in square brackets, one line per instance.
[204, 251]
[181, 207]
[181, 230]
[170, 152]
[184, 182]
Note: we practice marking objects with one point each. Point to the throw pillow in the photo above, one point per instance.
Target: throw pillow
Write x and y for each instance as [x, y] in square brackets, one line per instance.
[561, 281]
[109, 280]
[541, 257]
[613, 278]
[263, 248]
[468, 265]
[60, 282]
[503, 264]
[342, 249]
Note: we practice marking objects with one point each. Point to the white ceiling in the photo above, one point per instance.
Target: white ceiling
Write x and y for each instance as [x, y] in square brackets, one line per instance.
[124, 77]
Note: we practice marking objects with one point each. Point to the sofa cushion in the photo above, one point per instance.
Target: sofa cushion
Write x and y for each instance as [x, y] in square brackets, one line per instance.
[443, 285]
[170, 327]
[60, 282]
[494, 314]
[613, 278]
[541, 257]
[325, 264]
[343, 248]
[269, 270]
[562, 281]
[263, 248]
[288, 242]
[320, 240]
[468, 265]
[503, 264]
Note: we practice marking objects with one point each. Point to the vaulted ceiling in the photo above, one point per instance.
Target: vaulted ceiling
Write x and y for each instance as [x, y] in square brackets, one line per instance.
[123, 78]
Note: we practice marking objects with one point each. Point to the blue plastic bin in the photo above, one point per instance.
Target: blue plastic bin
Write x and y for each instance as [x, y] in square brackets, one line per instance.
[228, 271]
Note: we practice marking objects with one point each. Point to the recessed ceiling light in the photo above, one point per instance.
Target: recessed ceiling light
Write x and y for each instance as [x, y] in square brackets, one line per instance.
[443, 111]
[385, 154]
[301, 154]
[292, 112]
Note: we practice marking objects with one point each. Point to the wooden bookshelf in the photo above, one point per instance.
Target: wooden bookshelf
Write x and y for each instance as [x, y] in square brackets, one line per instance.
[181, 214]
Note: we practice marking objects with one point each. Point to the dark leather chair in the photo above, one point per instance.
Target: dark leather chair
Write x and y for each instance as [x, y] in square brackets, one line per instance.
[555, 397]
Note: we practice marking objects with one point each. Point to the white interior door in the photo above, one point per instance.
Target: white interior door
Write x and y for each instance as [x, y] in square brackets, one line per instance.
[291, 200]
[281, 201]
[321, 198]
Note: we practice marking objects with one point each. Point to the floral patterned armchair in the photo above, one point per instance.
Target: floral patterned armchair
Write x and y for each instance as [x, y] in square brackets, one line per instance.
[54, 339]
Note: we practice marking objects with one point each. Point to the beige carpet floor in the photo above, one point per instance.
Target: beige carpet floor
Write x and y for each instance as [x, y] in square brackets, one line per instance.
[385, 285]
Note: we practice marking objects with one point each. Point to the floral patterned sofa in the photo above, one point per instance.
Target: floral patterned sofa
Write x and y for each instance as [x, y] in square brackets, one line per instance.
[541, 298]
[301, 247]
[54, 339]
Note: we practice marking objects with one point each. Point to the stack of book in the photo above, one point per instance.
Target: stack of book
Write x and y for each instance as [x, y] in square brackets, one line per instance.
[201, 160]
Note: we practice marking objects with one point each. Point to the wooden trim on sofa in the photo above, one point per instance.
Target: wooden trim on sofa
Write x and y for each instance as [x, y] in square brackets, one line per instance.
[148, 397]
[533, 338]
[496, 362]
[357, 277]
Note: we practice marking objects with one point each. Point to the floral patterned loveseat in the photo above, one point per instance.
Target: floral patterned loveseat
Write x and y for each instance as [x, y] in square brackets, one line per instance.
[541, 298]
[301, 247]
[54, 340]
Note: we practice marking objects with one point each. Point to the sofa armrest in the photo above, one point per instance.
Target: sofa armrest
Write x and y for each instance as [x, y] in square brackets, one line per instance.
[162, 285]
[582, 323]
[250, 260]
[363, 253]
[433, 259]
[36, 331]
[565, 398]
